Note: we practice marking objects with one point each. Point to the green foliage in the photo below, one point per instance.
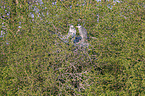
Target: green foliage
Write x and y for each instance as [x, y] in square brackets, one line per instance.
[36, 62]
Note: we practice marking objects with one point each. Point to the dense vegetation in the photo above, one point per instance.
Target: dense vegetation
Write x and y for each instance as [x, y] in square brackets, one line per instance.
[34, 61]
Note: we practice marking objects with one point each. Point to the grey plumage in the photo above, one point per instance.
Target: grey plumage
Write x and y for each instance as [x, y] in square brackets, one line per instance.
[72, 32]
[77, 40]
[83, 32]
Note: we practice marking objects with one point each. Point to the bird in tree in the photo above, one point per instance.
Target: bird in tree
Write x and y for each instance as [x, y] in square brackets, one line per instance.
[83, 32]
[72, 32]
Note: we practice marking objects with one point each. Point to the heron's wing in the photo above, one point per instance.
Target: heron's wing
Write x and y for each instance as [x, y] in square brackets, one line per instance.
[84, 32]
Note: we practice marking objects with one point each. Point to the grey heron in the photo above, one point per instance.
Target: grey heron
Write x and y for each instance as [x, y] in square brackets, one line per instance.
[83, 32]
[72, 32]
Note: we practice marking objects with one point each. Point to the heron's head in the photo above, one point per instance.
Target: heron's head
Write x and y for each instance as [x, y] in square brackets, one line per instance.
[71, 26]
[79, 26]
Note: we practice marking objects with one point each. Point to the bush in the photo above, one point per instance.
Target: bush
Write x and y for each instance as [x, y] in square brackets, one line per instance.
[35, 61]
